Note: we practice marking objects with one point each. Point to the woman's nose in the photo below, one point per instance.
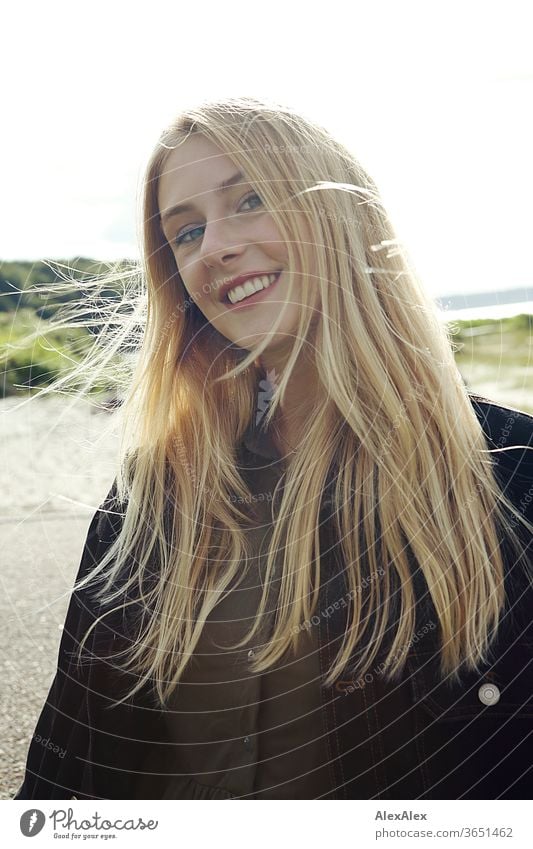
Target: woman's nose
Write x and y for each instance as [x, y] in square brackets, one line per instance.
[220, 242]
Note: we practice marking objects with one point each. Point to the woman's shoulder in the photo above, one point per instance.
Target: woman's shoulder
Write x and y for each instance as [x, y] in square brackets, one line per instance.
[504, 425]
[509, 436]
[104, 528]
[109, 516]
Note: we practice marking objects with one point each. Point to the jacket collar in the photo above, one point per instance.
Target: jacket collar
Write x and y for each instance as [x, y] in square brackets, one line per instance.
[258, 439]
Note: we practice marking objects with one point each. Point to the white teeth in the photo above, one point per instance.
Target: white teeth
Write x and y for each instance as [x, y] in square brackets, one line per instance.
[250, 287]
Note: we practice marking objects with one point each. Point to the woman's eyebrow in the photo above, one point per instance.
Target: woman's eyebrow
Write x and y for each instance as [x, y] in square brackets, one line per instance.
[187, 207]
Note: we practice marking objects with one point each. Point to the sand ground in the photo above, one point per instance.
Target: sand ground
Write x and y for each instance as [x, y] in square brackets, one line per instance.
[57, 465]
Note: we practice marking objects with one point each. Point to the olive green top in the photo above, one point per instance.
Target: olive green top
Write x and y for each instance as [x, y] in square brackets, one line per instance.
[239, 734]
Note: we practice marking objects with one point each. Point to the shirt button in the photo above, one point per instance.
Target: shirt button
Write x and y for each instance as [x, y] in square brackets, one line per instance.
[489, 694]
[247, 744]
[251, 653]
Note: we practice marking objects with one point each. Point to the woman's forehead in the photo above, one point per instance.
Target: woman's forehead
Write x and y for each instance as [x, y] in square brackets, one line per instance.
[195, 167]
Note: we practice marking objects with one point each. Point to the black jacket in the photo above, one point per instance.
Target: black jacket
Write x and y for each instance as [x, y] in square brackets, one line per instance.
[419, 738]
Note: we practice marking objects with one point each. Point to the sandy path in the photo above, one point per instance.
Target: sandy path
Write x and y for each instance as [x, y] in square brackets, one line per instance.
[56, 466]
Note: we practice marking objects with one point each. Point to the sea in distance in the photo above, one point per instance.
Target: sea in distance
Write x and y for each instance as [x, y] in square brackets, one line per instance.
[493, 304]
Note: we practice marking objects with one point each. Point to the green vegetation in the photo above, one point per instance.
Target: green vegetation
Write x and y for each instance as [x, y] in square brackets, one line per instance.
[35, 364]
[494, 356]
[31, 293]
[25, 284]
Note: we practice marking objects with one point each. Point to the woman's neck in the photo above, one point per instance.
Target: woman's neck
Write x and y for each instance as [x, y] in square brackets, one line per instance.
[291, 421]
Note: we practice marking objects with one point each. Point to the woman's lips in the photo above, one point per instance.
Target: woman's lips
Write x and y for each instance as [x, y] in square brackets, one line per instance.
[252, 299]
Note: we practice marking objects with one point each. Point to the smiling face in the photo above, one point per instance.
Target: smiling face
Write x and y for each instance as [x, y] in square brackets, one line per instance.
[222, 234]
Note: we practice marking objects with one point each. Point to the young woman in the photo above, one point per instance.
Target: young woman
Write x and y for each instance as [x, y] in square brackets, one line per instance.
[311, 577]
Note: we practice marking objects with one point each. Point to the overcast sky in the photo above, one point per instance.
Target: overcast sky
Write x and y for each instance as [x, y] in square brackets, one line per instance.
[434, 98]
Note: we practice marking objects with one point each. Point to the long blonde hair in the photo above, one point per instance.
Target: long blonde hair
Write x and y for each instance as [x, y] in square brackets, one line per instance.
[412, 474]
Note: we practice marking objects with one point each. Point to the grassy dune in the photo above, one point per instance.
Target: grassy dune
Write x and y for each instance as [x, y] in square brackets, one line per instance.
[26, 366]
[494, 356]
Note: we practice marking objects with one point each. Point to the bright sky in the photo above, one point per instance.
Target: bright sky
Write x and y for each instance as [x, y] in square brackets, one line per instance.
[435, 98]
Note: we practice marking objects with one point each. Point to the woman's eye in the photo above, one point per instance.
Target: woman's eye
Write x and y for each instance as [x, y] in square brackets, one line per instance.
[252, 195]
[181, 237]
